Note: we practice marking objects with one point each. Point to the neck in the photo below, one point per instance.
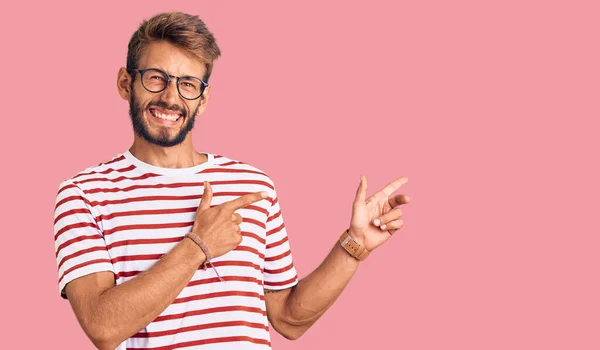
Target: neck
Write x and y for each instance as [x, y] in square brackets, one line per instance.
[179, 156]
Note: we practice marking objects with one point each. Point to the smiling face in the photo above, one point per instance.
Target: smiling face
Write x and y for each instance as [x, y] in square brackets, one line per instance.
[165, 118]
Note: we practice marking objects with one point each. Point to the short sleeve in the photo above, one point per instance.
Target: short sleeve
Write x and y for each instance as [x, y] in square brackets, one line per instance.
[280, 272]
[78, 241]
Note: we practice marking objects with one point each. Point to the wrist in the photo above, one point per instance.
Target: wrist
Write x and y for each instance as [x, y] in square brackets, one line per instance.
[207, 255]
[355, 248]
[195, 250]
[357, 236]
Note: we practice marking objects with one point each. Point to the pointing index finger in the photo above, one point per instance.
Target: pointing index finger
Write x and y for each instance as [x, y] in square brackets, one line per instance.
[247, 199]
[394, 185]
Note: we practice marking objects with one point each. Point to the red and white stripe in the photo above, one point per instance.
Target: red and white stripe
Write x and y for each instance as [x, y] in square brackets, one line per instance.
[123, 215]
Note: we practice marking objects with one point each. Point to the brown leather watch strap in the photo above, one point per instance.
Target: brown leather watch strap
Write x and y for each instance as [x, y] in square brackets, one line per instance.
[359, 252]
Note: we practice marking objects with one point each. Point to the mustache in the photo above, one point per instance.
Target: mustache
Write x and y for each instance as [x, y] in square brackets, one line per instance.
[165, 106]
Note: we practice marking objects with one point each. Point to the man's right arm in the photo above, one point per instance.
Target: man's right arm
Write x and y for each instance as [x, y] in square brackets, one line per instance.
[110, 314]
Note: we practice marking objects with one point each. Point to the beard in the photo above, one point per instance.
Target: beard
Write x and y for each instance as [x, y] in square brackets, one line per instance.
[163, 138]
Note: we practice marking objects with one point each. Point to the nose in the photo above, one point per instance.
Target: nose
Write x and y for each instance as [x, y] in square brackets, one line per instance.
[170, 94]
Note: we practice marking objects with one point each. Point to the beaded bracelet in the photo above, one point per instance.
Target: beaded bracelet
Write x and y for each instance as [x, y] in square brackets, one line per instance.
[204, 248]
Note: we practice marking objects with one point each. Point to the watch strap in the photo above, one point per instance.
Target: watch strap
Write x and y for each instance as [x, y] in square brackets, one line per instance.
[358, 251]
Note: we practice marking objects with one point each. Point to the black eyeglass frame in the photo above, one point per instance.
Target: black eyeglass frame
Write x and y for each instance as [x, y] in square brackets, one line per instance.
[142, 71]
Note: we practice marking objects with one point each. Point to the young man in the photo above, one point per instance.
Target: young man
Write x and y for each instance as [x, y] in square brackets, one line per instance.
[164, 247]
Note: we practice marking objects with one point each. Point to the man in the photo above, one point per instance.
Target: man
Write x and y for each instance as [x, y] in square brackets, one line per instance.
[164, 247]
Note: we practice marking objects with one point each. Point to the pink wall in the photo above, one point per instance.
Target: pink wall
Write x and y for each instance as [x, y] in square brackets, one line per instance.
[490, 110]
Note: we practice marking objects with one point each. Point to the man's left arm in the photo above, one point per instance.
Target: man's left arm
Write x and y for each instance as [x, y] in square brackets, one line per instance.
[292, 311]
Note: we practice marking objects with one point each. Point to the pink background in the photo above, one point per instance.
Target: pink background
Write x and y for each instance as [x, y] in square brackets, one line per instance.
[491, 110]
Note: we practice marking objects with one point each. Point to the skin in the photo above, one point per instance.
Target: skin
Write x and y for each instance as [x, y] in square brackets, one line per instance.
[110, 314]
[295, 310]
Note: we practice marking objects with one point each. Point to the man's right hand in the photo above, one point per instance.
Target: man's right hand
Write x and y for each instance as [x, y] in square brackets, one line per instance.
[219, 226]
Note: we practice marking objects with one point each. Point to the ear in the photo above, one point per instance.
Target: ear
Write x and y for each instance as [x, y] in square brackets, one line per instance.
[124, 83]
[203, 100]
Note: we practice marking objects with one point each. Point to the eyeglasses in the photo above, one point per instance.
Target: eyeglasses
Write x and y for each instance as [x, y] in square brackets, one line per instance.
[156, 80]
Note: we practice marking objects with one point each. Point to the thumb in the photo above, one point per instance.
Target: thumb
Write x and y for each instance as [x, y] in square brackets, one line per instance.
[206, 198]
[361, 192]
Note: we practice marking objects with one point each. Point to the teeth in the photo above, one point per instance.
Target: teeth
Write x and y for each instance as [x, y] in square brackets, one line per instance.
[166, 116]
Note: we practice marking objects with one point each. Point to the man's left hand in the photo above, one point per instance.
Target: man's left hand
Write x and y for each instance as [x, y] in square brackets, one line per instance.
[376, 218]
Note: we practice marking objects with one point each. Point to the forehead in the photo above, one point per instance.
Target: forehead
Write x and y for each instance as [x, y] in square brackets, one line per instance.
[170, 58]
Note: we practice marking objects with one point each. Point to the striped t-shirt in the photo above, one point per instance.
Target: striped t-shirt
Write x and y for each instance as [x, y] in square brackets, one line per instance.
[123, 215]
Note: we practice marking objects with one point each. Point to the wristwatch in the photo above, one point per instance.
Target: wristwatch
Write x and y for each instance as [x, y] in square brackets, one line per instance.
[359, 252]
